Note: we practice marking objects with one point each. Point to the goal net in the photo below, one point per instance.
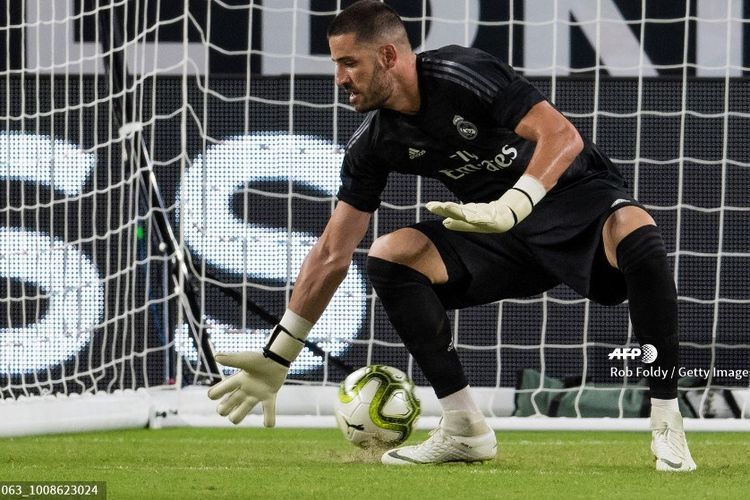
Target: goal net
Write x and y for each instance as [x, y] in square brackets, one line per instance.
[166, 166]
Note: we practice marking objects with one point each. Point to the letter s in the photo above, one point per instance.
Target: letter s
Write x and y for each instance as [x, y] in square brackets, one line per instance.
[215, 234]
[66, 276]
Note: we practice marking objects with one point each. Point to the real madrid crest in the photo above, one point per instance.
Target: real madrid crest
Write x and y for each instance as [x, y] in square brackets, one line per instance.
[467, 129]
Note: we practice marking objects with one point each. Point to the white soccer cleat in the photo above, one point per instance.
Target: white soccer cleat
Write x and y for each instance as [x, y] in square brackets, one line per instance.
[668, 442]
[442, 448]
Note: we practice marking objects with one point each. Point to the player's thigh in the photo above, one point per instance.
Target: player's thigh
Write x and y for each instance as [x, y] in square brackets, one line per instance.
[484, 268]
[412, 248]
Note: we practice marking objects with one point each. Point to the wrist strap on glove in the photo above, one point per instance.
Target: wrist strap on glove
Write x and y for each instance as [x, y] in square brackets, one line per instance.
[287, 338]
[523, 197]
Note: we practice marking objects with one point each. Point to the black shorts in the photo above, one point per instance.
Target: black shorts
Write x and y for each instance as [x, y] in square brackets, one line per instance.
[560, 242]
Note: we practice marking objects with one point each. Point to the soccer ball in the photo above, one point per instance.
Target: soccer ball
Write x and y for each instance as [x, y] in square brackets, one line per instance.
[376, 405]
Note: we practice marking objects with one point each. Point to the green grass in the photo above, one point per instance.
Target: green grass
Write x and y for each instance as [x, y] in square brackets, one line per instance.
[306, 463]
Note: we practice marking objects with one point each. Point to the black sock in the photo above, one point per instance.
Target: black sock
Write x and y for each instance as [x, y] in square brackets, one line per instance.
[642, 258]
[420, 320]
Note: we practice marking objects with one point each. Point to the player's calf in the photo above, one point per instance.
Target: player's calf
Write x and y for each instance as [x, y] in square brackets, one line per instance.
[418, 316]
[652, 299]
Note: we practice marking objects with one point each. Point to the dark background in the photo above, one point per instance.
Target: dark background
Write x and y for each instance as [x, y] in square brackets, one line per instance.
[709, 215]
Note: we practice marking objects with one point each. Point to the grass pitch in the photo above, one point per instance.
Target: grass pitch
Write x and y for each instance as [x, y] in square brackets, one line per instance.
[308, 463]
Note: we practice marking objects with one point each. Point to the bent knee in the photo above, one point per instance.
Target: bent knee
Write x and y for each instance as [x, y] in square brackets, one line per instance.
[621, 223]
[410, 247]
[386, 247]
[402, 246]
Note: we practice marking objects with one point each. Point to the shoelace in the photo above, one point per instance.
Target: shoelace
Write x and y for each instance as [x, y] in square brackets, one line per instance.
[672, 438]
[433, 435]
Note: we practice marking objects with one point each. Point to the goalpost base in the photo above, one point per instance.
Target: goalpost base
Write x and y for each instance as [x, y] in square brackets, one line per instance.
[297, 406]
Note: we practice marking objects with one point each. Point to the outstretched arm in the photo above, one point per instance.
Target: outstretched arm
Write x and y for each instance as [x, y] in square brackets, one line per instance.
[557, 145]
[326, 265]
[262, 374]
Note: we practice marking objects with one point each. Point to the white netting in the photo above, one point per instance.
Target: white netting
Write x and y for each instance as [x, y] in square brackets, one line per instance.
[233, 106]
[84, 306]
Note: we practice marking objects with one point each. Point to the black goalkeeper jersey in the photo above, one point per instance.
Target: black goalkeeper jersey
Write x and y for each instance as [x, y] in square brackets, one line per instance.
[462, 135]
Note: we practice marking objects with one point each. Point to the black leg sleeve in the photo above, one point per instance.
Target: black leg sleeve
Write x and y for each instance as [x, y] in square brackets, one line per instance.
[420, 319]
[652, 296]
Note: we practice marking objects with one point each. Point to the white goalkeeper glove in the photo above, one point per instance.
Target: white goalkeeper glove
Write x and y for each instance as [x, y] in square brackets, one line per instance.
[261, 374]
[496, 216]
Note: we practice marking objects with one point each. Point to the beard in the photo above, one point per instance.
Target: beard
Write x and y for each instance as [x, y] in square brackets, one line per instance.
[376, 95]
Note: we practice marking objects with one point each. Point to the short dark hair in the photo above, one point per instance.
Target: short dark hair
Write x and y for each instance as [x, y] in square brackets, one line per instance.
[368, 19]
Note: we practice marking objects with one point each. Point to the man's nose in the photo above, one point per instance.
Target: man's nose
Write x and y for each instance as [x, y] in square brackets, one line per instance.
[341, 77]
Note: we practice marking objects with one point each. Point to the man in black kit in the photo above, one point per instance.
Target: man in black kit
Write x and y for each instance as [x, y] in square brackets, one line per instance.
[540, 206]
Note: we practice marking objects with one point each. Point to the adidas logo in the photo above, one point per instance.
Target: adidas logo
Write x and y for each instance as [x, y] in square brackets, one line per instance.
[415, 153]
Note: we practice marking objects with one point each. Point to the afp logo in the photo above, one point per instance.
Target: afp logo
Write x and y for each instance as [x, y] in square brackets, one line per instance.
[467, 129]
[647, 353]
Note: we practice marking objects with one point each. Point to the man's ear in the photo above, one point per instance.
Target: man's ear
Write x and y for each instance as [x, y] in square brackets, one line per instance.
[388, 55]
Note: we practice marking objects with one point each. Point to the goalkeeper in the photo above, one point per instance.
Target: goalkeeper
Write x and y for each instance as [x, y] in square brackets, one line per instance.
[540, 206]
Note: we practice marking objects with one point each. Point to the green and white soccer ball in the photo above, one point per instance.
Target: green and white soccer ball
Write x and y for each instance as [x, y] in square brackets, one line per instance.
[376, 406]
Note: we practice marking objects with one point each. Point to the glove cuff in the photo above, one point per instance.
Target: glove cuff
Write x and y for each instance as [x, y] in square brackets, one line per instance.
[282, 346]
[287, 338]
[522, 197]
[295, 324]
[531, 187]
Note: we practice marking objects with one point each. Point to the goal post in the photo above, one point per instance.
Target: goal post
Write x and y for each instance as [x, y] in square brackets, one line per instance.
[146, 213]
[120, 83]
